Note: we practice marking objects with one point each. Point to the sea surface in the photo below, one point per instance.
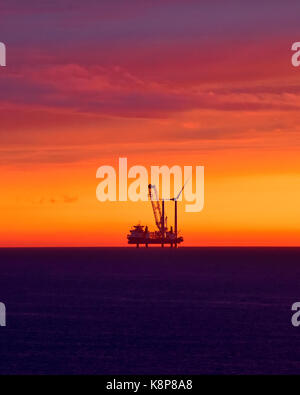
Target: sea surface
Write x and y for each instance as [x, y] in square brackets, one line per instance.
[149, 311]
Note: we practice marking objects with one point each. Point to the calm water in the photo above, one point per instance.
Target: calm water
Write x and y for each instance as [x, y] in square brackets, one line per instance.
[124, 311]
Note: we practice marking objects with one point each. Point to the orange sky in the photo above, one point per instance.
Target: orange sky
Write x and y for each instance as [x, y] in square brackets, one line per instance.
[229, 102]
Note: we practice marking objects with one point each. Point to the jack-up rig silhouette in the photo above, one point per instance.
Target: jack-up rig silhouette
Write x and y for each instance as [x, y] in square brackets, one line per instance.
[140, 234]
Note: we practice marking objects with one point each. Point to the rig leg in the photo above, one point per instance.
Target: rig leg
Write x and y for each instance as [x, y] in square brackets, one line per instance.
[146, 245]
[137, 245]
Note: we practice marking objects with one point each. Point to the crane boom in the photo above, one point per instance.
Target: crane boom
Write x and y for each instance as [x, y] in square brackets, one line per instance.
[155, 206]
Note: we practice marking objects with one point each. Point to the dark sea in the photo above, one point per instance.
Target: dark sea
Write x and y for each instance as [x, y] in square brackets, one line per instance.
[149, 311]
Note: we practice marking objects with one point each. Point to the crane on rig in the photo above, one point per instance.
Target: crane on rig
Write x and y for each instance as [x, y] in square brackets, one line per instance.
[141, 235]
[155, 206]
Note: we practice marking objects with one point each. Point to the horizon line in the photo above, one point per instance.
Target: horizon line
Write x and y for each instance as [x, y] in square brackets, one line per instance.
[155, 247]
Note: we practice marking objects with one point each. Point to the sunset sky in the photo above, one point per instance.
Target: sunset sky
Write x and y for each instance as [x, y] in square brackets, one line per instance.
[161, 82]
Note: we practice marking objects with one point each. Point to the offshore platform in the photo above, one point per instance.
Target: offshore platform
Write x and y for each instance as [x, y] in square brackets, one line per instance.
[140, 234]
